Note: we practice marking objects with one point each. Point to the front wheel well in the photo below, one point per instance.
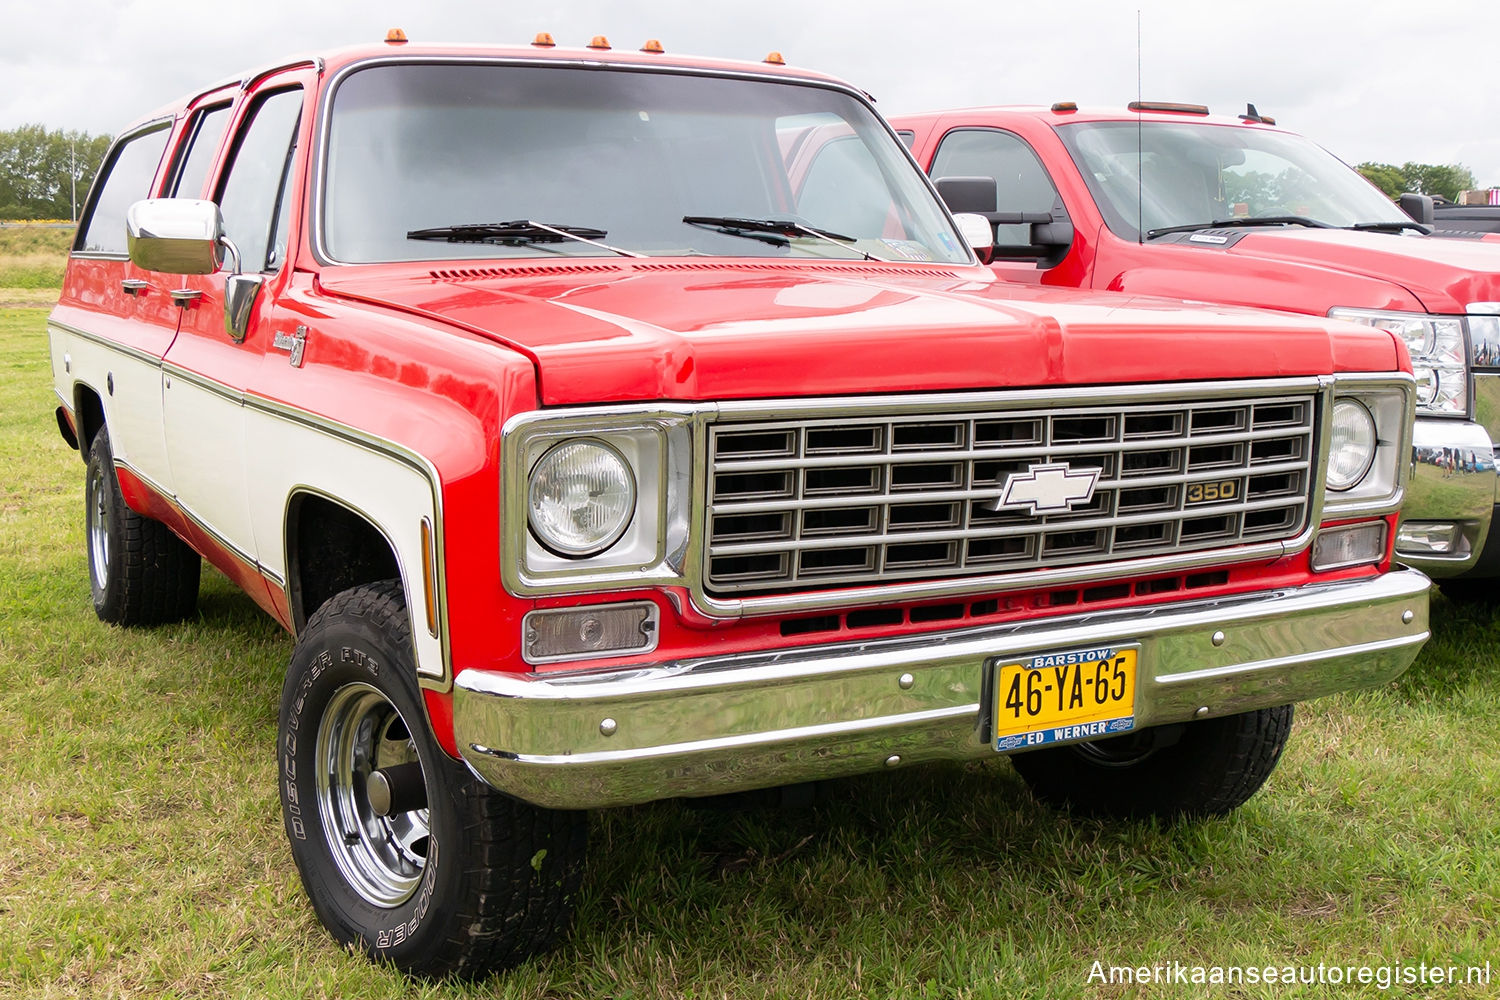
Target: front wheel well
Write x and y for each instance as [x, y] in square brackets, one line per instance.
[88, 411]
[331, 548]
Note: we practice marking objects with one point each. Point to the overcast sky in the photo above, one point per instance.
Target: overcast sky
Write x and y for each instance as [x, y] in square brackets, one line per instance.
[1382, 80]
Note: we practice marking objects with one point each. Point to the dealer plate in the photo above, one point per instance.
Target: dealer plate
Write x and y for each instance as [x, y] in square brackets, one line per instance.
[1071, 694]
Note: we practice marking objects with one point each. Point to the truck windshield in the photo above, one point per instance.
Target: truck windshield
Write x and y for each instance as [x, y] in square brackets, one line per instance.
[461, 148]
[1163, 175]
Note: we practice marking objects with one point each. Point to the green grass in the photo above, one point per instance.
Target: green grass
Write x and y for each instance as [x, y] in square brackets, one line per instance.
[33, 257]
[141, 850]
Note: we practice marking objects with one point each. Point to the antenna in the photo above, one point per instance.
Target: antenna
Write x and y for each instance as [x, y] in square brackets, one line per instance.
[1140, 147]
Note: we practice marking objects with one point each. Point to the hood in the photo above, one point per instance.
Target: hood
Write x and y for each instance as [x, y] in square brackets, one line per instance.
[690, 330]
[1443, 275]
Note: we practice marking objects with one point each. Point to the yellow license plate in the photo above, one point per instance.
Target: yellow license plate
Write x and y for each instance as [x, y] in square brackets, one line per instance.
[1074, 694]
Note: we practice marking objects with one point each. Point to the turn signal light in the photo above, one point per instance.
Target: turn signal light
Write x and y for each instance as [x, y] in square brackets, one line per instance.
[1348, 545]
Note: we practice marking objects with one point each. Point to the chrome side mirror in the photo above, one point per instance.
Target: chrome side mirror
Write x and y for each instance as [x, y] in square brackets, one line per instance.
[184, 236]
[975, 229]
[175, 235]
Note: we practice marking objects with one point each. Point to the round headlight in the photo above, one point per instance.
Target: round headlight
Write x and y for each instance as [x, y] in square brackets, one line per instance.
[582, 496]
[1352, 448]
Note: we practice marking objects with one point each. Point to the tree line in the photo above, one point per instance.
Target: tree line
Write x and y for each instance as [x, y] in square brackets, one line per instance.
[1447, 180]
[45, 173]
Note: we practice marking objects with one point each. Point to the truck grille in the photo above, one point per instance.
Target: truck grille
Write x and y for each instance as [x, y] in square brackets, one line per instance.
[799, 504]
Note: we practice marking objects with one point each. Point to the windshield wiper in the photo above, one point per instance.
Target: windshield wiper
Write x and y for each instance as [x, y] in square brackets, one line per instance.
[1242, 220]
[1389, 227]
[517, 233]
[777, 232]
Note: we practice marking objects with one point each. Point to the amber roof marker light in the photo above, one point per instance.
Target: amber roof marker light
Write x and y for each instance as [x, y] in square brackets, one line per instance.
[543, 40]
[652, 45]
[395, 37]
[1168, 106]
[599, 42]
[774, 58]
[1065, 106]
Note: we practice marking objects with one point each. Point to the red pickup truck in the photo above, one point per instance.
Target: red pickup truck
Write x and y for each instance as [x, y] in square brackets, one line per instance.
[1166, 199]
[613, 426]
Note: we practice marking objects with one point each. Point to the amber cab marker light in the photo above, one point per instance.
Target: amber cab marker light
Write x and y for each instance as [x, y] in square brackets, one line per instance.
[543, 40]
[429, 577]
[1061, 106]
[652, 45]
[599, 42]
[395, 37]
[775, 59]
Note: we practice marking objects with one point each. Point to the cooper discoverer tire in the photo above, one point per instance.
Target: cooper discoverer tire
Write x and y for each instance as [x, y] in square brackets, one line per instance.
[1196, 769]
[140, 573]
[454, 879]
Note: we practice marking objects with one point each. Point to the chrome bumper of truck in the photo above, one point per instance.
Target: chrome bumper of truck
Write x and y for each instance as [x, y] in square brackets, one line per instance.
[1450, 497]
[708, 726]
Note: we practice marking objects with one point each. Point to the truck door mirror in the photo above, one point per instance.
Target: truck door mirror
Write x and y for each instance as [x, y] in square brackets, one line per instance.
[964, 195]
[174, 235]
[977, 233]
[1418, 206]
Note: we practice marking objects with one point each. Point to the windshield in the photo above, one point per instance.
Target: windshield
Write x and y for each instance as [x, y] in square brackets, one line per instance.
[1194, 173]
[491, 160]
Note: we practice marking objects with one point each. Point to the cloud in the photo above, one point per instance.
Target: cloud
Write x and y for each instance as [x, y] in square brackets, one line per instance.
[1370, 80]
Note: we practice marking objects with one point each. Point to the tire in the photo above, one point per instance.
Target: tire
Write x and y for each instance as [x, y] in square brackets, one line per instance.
[455, 879]
[1195, 769]
[139, 572]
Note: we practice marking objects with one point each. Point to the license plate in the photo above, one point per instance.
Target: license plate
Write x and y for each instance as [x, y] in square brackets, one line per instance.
[1073, 694]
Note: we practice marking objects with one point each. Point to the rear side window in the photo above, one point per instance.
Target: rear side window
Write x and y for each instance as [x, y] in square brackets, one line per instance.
[203, 143]
[125, 179]
[1021, 182]
[253, 196]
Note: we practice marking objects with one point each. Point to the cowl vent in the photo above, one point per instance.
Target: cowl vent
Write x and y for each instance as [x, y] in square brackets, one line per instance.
[531, 270]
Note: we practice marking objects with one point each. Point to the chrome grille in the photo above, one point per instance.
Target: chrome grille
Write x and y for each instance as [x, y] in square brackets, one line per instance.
[798, 504]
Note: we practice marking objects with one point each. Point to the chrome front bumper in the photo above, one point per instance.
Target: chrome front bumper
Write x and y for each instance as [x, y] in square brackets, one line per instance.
[1450, 497]
[708, 726]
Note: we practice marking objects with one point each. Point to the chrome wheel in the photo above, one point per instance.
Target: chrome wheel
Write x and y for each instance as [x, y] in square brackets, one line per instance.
[98, 528]
[381, 857]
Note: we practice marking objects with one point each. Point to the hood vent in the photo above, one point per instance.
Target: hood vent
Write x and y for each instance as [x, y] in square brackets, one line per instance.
[520, 271]
[535, 270]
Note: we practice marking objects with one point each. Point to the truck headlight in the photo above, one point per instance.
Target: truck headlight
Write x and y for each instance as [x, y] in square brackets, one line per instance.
[581, 496]
[1352, 444]
[596, 498]
[1439, 355]
[1368, 432]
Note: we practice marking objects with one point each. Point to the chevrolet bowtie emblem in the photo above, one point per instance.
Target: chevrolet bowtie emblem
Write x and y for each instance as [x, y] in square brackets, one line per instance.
[1047, 489]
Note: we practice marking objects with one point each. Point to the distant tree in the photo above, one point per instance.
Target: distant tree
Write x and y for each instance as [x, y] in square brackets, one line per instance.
[1387, 177]
[41, 168]
[1446, 180]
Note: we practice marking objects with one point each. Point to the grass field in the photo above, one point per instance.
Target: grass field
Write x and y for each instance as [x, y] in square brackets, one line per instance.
[141, 850]
[32, 260]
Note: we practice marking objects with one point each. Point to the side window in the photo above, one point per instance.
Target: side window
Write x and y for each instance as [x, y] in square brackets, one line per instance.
[253, 194]
[125, 179]
[1021, 182]
[202, 143]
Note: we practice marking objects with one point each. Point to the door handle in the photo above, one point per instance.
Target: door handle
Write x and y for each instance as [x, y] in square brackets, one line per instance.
[134, 286]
